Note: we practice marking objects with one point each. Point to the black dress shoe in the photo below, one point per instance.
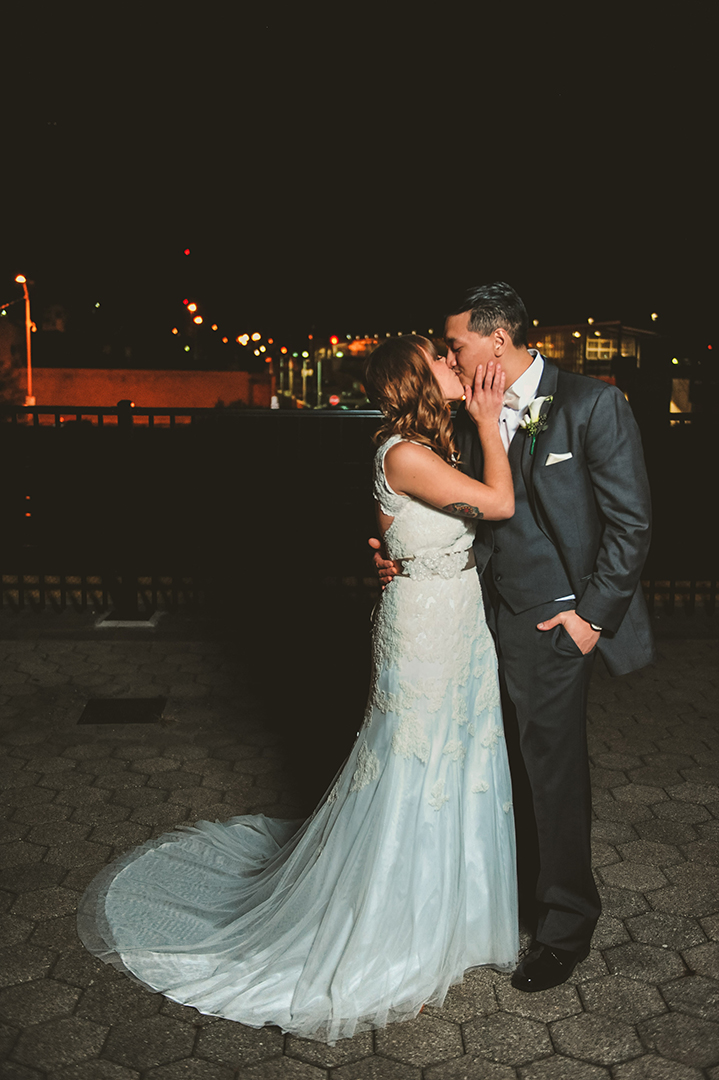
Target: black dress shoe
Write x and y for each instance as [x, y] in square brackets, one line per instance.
[544, 967]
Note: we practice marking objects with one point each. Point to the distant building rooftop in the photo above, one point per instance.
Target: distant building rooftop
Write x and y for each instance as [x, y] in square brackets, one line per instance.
[593, 348]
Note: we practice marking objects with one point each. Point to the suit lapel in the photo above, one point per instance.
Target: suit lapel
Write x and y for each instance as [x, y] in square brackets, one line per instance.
[516, 452]
[548, 382]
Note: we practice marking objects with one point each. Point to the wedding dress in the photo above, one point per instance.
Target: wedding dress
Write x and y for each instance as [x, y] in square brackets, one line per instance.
[404, 876]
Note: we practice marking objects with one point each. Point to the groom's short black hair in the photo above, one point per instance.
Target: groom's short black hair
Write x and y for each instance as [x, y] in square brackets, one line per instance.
[494, 306]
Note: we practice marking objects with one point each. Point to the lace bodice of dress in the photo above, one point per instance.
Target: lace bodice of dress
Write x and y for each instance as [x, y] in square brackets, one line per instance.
[432, 542]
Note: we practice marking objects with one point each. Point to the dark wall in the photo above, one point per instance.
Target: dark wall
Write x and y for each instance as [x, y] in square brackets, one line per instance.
[260, 499]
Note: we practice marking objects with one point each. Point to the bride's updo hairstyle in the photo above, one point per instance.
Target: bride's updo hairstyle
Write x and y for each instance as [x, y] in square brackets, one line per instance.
[400, 383]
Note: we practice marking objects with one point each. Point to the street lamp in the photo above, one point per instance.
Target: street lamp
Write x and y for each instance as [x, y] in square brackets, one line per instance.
[29, 327]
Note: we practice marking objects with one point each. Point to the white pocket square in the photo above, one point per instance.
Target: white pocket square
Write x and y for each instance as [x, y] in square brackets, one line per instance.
[552, 459]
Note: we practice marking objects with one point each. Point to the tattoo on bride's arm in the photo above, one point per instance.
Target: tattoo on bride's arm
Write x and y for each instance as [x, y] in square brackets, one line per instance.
[463, 510]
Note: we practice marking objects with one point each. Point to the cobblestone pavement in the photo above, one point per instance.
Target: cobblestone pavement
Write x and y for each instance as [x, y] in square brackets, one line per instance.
[643, 1006]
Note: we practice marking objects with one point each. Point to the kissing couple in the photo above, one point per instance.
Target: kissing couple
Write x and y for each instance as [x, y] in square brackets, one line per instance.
[512, 542]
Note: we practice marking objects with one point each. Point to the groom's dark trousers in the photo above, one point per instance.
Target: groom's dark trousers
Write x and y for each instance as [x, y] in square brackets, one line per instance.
[545, 681]
[581, 526]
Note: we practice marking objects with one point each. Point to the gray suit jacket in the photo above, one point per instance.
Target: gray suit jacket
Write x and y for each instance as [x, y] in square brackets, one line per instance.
[593, 505]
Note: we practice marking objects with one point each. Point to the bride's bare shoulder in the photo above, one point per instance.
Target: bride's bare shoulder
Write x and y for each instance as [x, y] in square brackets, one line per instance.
[406, 452]
[406, 461]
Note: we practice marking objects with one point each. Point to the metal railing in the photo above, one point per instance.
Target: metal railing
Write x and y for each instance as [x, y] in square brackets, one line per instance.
[100, 416]
[100, 592]
[673, 596]
[129, 414]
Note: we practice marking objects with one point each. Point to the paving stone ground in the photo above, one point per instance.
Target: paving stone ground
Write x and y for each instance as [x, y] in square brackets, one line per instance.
[643, 1006]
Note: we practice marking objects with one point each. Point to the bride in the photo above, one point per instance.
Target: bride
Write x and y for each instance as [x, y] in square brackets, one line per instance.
[404, 876]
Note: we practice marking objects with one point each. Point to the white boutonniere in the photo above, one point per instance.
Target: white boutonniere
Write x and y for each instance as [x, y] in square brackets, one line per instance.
[535, 420]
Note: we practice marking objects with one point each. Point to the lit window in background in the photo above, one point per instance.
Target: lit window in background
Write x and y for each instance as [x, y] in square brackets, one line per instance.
[599, 348]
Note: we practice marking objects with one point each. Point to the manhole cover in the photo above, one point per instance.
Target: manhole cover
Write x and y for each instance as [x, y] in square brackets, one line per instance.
[123, 711]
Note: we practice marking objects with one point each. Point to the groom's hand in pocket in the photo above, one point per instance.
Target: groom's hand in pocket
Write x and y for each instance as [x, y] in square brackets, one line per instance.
[579, 631]
[386, 568]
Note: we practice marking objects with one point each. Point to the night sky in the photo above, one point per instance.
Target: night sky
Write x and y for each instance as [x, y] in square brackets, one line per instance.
[352, 170]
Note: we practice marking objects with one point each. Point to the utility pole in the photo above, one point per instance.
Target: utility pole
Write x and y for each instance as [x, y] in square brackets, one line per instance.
[29, 327]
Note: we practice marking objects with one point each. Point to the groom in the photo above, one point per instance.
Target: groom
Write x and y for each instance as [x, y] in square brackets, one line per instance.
[562, 582]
